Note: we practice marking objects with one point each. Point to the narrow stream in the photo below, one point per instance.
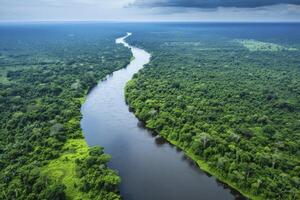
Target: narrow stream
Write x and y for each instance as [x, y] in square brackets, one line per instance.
[150, 168]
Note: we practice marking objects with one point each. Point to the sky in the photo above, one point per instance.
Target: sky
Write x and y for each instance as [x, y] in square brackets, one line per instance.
[150, 10]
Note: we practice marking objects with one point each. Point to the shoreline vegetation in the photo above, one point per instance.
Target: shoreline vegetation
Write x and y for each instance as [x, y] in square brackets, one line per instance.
[43, 151]
[66, 168]
[200, 162]
[223, 104]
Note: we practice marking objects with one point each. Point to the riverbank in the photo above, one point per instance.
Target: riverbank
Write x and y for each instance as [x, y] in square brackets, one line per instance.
[64, 169]
[205, 167]
[70, 167]
[200, 162]
[159, 170]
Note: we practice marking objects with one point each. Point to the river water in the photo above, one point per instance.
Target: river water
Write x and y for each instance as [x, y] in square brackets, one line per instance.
[150, 168]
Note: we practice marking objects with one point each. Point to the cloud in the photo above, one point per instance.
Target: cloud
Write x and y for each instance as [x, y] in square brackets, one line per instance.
[154, 10]
[208, 4]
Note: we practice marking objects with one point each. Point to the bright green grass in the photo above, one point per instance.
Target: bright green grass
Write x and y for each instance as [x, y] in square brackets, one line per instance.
[254, 45]
[63, 169]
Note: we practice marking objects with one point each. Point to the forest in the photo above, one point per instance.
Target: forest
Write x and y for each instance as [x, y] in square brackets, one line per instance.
[230, 98]
[46, 72]
[228, 95]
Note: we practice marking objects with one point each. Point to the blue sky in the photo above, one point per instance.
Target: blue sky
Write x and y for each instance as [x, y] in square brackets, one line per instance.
[150, 10]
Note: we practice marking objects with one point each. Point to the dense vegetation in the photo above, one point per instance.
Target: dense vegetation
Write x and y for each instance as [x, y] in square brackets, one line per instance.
[46, 71]
[234, 107]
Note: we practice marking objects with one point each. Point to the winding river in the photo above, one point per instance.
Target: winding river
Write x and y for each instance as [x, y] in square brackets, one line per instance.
[150, 168]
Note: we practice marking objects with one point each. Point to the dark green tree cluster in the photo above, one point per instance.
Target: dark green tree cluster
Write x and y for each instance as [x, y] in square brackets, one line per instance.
[49, 74]
[105, 186]
[236, 110]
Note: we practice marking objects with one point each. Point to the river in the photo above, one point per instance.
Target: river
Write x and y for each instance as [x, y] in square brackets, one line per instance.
[150, 168]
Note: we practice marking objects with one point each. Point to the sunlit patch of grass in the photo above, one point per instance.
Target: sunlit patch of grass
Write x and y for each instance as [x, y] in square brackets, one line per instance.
[254, 45]
[63, 169]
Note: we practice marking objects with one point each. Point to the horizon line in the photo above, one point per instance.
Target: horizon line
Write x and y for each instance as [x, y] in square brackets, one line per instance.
[147, 21]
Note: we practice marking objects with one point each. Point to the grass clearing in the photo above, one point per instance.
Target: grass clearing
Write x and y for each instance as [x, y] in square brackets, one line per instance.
[63, 169]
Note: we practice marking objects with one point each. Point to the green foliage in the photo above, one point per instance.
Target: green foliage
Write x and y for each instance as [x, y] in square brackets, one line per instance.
[236, 112]
[42, 151]
[105, 186]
